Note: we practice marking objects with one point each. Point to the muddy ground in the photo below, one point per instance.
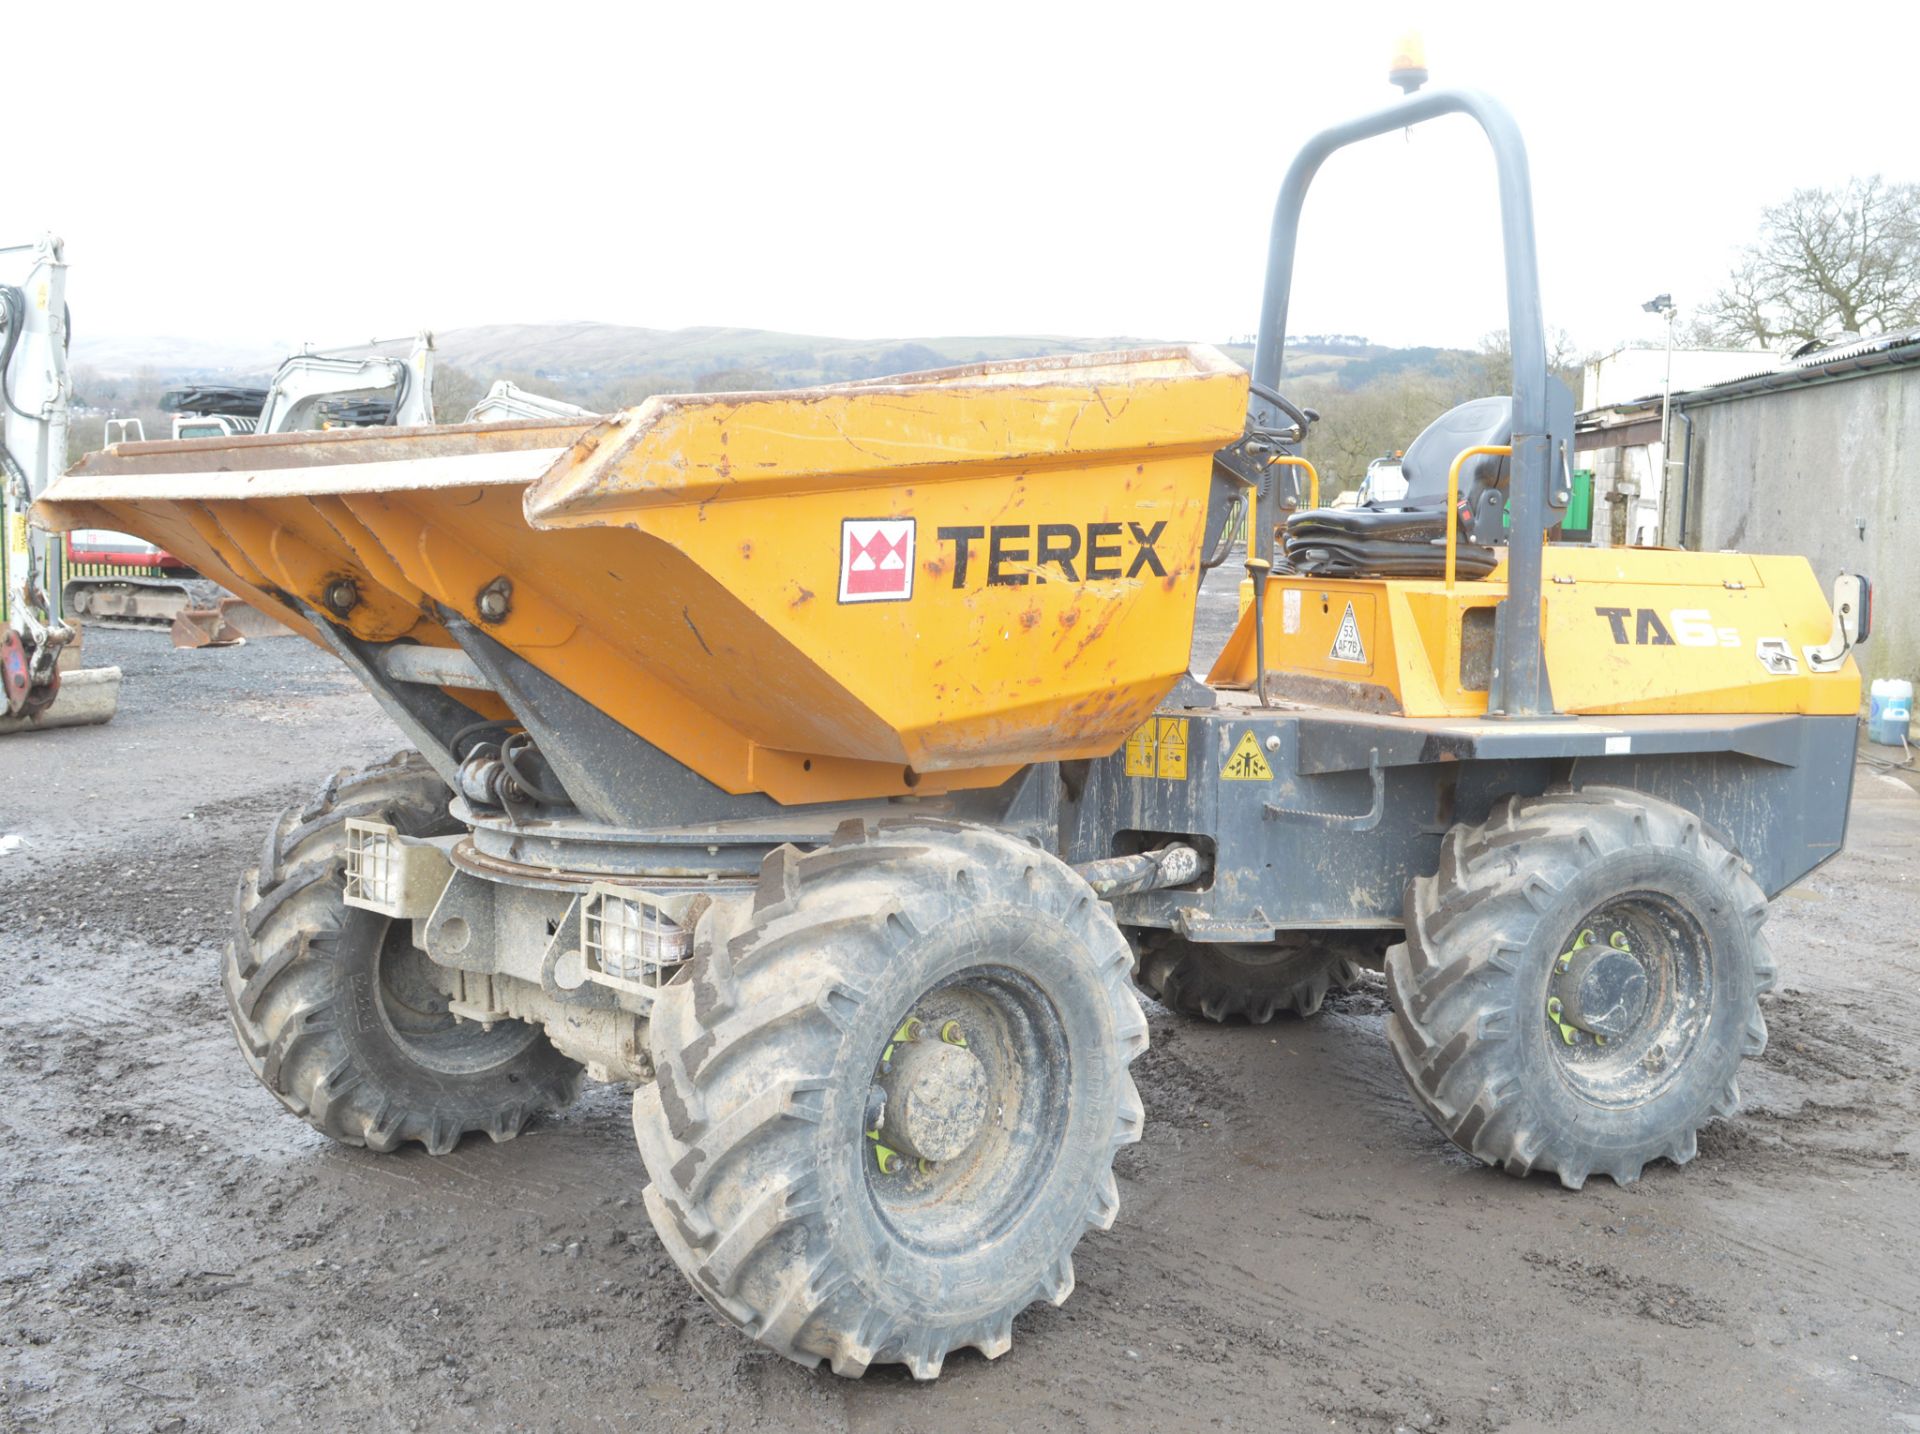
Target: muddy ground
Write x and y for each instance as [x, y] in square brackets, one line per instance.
[1297, 1249]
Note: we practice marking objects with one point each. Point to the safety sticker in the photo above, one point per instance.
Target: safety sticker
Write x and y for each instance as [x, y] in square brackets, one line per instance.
[1141, 747]
[1290, 612]
[1158, 748]
[1247, 762]
[1172, 760]
[1346, 643]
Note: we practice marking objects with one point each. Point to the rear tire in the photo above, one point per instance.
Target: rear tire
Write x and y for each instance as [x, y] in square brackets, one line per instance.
[1221, 982]
[337, 1012]
[768, 1187]
[1482, 1026]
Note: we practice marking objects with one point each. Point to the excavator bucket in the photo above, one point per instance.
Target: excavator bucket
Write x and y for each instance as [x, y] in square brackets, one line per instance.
[228, 623]
[204, 627]
[920, 583]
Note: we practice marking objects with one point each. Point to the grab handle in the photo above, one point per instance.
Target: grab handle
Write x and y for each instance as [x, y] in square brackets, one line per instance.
[1498, 450]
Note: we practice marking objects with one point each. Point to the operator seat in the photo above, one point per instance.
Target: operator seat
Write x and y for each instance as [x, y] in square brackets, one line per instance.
[1406, 538]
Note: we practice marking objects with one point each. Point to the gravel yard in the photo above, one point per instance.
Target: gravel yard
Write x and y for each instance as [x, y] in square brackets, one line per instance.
[1296, 1249]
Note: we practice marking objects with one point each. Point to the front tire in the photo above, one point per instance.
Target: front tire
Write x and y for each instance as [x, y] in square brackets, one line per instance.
[778, 1182]
[338, 1013]
[1579, 983]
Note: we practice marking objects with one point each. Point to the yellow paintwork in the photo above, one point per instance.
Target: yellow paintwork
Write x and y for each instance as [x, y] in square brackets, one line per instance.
[1410, 633]
[681, 567]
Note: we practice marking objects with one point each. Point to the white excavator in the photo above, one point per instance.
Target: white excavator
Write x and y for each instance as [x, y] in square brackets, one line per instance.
[110, 577]
[120, 581]
[38, 687]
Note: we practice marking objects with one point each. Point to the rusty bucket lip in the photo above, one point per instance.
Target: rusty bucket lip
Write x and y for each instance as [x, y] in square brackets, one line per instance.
[671, 449]
[520, 451]
[305, 465]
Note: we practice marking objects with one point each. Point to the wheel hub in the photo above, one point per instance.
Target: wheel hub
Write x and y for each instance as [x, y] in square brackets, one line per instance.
[1601, 989]
[936, 1099]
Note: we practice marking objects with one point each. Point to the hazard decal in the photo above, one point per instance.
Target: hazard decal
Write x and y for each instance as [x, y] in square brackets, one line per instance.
[1247, 763]
[1158, 748]
[1141, 747]
[1172, 759]
[1346, 643]
[876, 559]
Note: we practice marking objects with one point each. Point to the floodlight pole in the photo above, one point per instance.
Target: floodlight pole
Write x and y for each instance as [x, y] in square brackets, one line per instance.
[1663, 305]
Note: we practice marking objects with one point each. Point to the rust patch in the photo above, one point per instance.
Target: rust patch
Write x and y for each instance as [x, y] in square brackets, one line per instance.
[1030, 617]
[805, 596]
[746, 550]
[1093, 634]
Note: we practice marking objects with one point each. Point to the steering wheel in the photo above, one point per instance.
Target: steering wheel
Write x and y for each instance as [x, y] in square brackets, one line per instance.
[1302, 417]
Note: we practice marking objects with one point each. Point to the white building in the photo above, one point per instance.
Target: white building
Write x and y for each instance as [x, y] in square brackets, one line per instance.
[1629, 374]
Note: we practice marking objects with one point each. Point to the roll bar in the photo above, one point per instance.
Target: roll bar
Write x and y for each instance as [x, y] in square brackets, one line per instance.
[1519, 685]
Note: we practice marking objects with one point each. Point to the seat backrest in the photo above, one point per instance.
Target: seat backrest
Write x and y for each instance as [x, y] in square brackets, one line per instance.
[1483, 479]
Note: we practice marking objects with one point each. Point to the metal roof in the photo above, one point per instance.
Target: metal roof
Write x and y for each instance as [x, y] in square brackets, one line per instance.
[1834, 361]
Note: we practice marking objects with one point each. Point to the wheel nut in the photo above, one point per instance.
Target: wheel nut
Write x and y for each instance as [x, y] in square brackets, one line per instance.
[951, 1033]
[342, 596]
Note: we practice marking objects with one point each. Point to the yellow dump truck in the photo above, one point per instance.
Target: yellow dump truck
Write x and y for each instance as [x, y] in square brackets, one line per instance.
[825, 764]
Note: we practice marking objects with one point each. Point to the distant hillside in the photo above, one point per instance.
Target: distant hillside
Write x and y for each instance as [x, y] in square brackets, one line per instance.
[588, 355]
[588, 352]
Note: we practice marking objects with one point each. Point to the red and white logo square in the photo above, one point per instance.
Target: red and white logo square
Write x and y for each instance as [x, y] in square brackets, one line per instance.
[876, 559]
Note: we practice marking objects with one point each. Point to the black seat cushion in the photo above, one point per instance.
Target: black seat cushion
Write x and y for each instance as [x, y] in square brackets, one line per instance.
[1378, 543]
[1407, 537]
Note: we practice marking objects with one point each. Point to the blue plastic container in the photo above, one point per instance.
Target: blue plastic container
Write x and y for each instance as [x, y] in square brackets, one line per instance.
[1890, 711]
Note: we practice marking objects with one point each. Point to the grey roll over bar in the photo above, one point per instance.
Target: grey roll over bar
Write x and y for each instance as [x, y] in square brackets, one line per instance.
[1519, 685]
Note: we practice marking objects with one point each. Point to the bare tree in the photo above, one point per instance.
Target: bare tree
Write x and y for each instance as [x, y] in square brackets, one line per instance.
[1491, 369]
[1375, 421]
[454, 392]
[1828, 261]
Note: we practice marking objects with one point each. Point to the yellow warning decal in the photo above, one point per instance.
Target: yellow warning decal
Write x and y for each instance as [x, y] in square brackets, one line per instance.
[1141, 747]
[1158, 748]
[1172, 761]
[1247, 763]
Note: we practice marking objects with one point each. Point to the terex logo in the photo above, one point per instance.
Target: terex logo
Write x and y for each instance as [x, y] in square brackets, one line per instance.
[1019, 553]
[876, 559]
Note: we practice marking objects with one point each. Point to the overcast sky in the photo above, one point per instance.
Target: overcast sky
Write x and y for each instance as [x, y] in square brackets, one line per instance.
[272, 173]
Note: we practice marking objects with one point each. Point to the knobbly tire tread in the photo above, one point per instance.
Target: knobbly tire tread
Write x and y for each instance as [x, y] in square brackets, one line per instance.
[1474, 926]
[1203, 980]
[286, 972]
[745, 1045]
